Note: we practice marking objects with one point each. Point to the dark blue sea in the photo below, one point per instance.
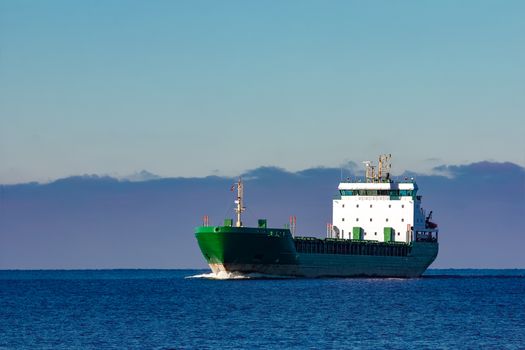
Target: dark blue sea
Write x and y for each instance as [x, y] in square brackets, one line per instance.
[164, 309]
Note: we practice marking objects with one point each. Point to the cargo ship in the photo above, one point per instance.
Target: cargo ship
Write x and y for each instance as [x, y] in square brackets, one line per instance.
[378, 229]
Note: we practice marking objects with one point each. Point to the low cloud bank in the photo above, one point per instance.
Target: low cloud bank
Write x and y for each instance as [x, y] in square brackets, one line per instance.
[103, 222]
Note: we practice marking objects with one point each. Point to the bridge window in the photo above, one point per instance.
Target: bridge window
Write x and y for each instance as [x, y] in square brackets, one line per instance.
[347, 192]
[395, 193]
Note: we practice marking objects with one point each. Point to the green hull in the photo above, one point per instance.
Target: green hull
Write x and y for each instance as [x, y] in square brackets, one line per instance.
[275, 252]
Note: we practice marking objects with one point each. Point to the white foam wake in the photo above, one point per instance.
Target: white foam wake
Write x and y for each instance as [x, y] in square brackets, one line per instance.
[225, 275]
[222, 275]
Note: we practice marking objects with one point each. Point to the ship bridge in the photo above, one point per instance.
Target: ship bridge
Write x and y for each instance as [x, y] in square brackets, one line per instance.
[378, 189]
[380, 209]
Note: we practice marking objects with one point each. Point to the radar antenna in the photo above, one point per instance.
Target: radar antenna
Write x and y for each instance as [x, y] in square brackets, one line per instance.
[369, 171]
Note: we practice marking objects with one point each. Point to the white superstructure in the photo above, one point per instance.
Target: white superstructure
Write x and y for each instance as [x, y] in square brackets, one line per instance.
[379, 209]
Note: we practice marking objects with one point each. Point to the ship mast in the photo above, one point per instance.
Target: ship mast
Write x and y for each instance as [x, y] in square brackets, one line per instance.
[383, 170]
[384, 167]
[239, 201]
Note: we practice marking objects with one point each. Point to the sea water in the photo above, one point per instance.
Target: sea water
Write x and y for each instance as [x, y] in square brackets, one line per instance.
[192, 309]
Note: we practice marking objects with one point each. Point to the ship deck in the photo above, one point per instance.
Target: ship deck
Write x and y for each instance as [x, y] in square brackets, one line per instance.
[310, 245]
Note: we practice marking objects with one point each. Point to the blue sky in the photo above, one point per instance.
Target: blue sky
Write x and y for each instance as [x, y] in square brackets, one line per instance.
[192, 88]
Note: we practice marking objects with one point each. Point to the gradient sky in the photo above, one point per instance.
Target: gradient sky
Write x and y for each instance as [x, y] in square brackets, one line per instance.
[192, 88]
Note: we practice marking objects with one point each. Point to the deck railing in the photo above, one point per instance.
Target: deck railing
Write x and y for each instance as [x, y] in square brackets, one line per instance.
[350, 247]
